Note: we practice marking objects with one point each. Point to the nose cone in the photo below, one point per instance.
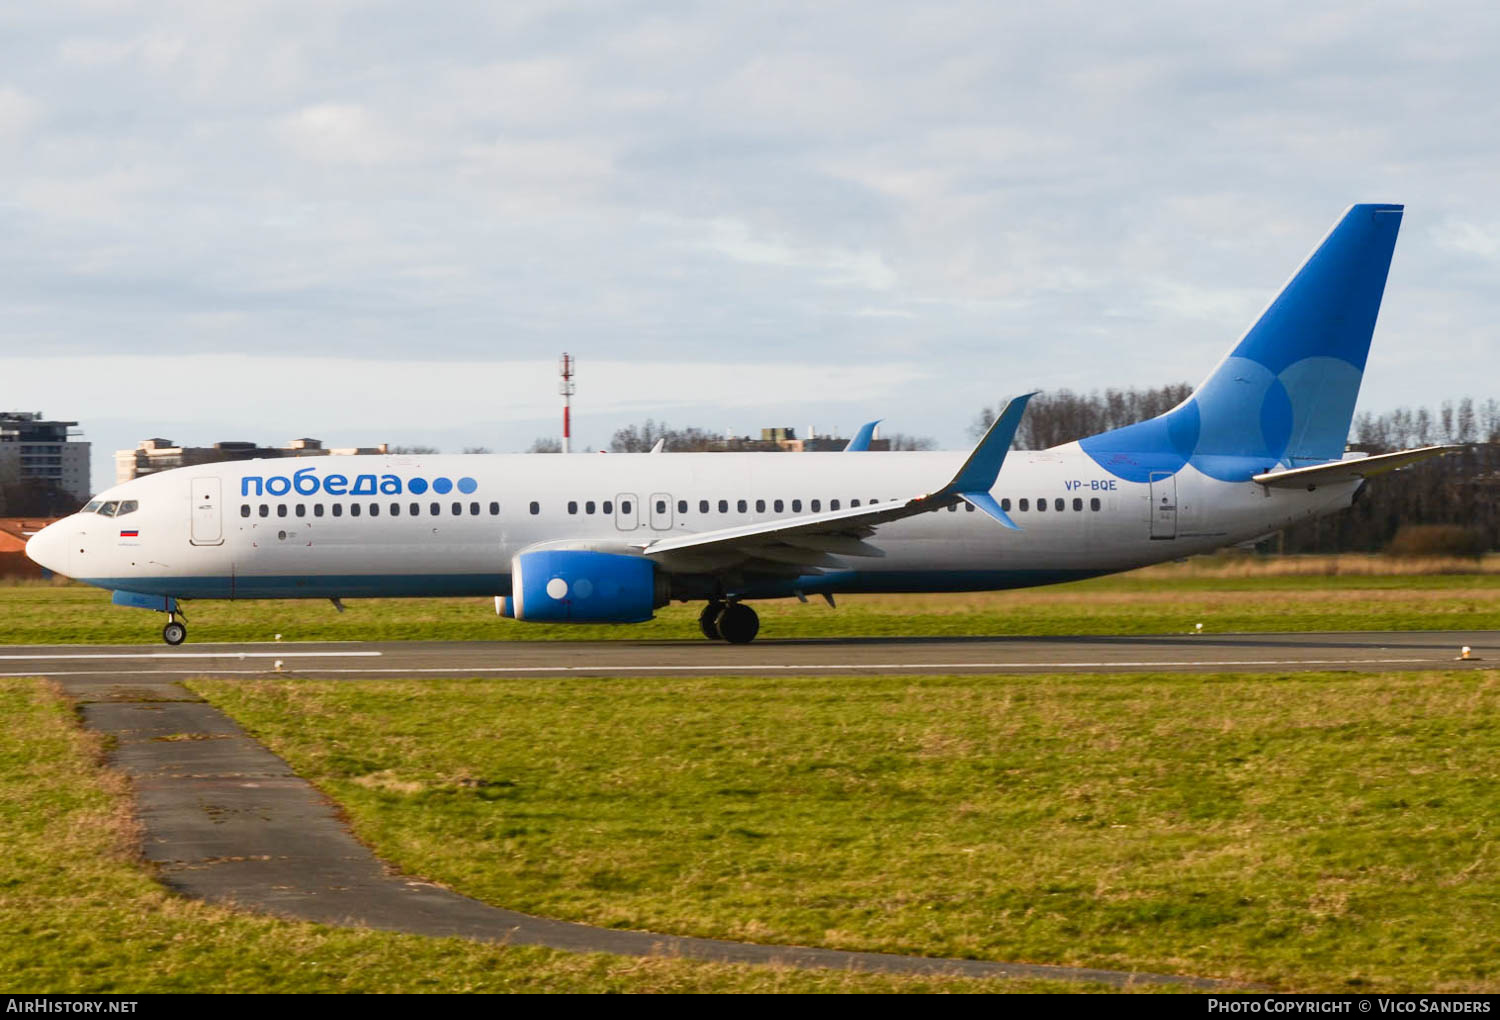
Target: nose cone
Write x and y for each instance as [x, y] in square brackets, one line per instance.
[49, 547]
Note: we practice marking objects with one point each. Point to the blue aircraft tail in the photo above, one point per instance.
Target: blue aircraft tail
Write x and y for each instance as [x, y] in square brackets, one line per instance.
[1285, 394]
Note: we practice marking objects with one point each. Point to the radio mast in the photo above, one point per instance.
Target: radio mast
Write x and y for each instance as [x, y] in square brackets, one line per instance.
[567, 369]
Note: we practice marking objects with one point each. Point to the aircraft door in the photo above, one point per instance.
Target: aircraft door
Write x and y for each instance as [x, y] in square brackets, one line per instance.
[661, 511]
[1163, 505]
[207, 528]
[627, 514]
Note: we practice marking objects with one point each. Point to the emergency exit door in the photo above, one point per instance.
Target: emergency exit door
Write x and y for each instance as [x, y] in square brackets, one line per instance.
[208, 525]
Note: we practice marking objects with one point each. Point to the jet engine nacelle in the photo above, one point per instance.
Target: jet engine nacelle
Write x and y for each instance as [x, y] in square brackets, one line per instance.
[582, 586]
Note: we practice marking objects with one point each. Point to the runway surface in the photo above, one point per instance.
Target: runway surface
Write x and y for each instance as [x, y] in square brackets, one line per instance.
[1280, 653]
[225, 820]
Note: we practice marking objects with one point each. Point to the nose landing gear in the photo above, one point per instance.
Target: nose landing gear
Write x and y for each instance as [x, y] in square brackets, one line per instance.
[174, 633]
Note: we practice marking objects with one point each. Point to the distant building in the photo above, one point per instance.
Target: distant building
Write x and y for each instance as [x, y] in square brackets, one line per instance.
[786, 439]
[33, 449]
[153, 455]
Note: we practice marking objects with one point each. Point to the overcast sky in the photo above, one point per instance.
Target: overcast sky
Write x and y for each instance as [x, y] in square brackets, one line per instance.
[378, 222]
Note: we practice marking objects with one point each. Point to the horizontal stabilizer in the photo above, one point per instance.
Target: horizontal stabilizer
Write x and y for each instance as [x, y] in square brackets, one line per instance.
[1349, 470]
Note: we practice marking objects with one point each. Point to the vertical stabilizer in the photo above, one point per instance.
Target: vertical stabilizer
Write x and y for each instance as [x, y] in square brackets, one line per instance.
[1285, 394]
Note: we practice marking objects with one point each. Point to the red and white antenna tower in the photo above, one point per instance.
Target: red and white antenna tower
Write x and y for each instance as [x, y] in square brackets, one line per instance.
[567, 368]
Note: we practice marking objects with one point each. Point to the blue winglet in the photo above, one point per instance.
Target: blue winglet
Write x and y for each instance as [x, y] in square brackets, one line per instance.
[861, 440]
[984, 501]
[983, 466]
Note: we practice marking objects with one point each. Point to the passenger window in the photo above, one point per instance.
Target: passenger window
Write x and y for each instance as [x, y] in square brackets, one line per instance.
[495, 510]
[1025, 505]
[682, 506]
[572, 506]
[435, 509]
[536, 508]
[1059, 505]
[374, 509]
[778, 506]
[625, 506]
[1077, 503]
[301, 510]
[458, 509]
[1005, 504]
[796, 506]
[607, 507]
[338, 509]
[661, 506]
[817, 505]
[473, 509]
[108, 509]
[415, 509]
[760, 506]
[854, 502]
[968, 507]
[1094, 503]
[703, 506]
[244, 509]
[395, 509]
[723, 506]
[280, 509]
[265, 511]
[317, 509]
[353, 509]
[1041, 505]
[742, 506]
[953, 508]
[833, 504]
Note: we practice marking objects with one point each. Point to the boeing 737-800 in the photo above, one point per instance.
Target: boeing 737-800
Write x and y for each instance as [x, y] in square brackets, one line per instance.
[1258, 446]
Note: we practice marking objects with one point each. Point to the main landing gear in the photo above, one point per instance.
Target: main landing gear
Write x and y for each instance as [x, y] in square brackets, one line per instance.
[174, 633]
[734, 622]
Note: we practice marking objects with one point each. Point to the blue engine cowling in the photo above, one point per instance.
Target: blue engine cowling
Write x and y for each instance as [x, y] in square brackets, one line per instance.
[580, 586]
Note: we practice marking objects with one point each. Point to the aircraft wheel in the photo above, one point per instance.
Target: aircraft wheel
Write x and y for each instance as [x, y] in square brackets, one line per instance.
[738, 624]
[174, 633]
[708, 620]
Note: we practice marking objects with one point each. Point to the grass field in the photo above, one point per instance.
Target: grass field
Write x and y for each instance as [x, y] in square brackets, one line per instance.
[81, 914]
[1326, 832]
[1223, 594]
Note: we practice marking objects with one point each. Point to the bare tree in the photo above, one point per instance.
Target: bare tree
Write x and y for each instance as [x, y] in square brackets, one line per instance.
[415, 449]
[546, 444]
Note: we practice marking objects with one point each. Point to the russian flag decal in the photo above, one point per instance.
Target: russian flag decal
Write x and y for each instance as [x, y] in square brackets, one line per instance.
[130, 534]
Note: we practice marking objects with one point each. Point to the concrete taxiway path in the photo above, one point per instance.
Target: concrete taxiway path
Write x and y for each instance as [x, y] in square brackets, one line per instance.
[1380, 650]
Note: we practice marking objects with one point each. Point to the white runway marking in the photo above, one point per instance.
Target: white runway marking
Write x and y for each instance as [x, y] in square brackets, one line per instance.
[1021, 667]
[195, 655]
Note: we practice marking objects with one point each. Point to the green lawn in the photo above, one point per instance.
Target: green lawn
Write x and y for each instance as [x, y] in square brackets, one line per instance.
[1322, 832]
[1155, 602]
[80, 914]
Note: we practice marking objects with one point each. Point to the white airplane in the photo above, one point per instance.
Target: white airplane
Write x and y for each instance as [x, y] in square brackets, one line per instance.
[1258, 446]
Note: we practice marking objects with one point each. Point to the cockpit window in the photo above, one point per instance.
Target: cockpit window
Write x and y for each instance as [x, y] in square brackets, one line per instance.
[108, 509]
[127, 506]
[93, 506]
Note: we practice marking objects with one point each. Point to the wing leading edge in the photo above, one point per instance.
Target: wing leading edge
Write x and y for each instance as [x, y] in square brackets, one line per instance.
[793, 545]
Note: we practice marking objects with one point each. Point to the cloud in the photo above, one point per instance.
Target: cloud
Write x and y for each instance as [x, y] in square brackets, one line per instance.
[340, 133]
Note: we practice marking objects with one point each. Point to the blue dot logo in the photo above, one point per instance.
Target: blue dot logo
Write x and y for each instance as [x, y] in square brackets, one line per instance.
[416, 486]
[467, 485]
[442, 486]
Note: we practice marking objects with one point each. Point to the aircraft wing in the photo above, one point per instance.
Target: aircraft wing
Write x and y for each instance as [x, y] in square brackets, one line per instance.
[1348, 470]
[797, 545]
